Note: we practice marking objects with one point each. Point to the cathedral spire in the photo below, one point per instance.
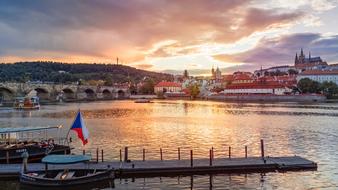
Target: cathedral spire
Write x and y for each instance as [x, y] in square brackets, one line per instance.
[296, 59]
[309, 55]
[301, 52]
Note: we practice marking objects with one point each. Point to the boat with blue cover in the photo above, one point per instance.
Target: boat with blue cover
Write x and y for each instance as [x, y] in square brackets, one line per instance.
[70, 176]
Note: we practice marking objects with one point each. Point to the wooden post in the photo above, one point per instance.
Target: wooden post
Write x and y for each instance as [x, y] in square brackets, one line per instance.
[262, 148]
[191, 159]
[212, 151]
[126, 154]
[25, 156]
[179, 153]
[246, 151]
[210, 157]
[120, 155]
[102, 155]
[161, 154]
[97, 155]
[229, 151]
[84, 152]
[46, 169]
[144, 155]
[7, 157]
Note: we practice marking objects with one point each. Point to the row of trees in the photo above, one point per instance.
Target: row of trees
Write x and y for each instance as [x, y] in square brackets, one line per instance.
[64, 72]
[329, 89]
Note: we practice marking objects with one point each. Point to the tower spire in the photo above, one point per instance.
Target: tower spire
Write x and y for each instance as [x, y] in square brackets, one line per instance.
[296, 59]
[301, 52]
[309, 55]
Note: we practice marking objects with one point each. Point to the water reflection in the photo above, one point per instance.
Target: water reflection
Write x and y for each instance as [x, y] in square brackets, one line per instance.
[308, 130]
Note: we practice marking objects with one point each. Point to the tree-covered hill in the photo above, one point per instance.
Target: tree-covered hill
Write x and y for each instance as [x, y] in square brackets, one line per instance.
[63, 72]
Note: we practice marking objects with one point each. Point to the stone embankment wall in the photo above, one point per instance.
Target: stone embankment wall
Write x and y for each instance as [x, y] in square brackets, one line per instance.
[269, 98]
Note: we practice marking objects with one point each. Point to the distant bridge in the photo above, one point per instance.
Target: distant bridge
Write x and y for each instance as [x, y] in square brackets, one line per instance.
[64, 92]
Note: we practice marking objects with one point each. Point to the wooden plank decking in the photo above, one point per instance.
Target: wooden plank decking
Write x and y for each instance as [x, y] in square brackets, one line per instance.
[179, 167]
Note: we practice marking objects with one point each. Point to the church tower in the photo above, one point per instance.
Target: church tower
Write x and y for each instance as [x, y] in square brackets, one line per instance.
[296, 59]
[301, 57]
[213, 72]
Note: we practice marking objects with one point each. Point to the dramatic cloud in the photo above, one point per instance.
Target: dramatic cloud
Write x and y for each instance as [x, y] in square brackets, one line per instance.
[282, 50]
[153, 34]
[105, 29]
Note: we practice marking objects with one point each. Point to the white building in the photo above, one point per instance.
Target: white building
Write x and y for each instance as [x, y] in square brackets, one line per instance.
[319, 76]
[257, 88]
[164, 87]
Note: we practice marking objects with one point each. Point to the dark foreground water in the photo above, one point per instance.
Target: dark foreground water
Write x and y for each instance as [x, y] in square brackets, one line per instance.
[308, 130]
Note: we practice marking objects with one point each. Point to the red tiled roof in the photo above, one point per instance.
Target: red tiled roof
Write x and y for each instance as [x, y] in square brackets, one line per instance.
[242, 77]
[228, 77]
[319, 72]
[168, 84]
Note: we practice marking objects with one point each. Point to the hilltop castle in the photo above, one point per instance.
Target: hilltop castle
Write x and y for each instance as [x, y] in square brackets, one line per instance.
[301, 62]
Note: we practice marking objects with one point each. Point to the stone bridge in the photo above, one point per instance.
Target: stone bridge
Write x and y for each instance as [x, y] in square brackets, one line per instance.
[64, 92]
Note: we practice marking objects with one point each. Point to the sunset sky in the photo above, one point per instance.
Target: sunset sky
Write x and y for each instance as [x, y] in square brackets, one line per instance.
[169, 35]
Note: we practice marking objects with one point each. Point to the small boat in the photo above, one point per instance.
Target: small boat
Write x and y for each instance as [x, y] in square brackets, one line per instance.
[142, 100]
[27, 103]
[33, 140]
[67, 177]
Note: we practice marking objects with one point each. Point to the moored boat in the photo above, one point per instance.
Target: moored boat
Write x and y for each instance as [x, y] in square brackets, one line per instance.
[142, 100]
[15, 141]
[68, 176]
[27, 103]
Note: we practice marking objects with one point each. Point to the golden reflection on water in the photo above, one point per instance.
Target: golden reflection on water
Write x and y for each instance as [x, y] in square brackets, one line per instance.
[287, 129]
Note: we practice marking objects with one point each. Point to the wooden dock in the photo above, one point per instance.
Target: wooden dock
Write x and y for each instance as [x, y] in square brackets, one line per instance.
[180, 167]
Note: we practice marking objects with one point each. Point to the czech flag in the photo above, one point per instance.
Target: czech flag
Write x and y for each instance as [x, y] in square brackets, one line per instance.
[80, 128]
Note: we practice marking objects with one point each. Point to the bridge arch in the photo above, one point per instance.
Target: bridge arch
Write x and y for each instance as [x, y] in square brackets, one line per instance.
[68, 94]
[42, 93]
[6, 94]
[121, 94]
[90, 93]
[107, 94]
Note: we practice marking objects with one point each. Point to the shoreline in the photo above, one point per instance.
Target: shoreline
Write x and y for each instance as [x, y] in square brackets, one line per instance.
[216, 98]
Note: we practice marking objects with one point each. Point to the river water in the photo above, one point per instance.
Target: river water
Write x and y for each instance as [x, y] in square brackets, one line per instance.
[307, 130]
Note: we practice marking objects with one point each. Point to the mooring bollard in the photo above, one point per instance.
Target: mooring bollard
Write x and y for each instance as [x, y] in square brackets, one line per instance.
[262, 148]
[246, 151]
[126, 154]
[120, 155]
[144, 155]
[102, 155]
[25, 156]
[179, 153]
[212, 151]
[191, 159]
[210, 157]
[7, 157]
[229, 152]
[97, 155]
[161, 154]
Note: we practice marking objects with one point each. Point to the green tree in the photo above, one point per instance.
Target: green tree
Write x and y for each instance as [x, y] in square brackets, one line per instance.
[108, 80]
[194, 90]
[148, 86]
[292, 72]
[307, 85]
[330, 89]
[133, 89]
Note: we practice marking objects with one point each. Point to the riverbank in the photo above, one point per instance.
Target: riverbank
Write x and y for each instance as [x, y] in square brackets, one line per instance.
[269, 98]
